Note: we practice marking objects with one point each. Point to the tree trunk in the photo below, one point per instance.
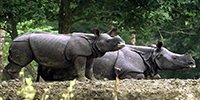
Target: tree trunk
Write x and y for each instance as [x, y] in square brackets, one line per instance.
[1, 49]
[13, 24]
[65, 17]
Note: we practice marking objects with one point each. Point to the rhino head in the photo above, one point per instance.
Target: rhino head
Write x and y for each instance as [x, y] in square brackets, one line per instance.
[166, 59]
[105, 42]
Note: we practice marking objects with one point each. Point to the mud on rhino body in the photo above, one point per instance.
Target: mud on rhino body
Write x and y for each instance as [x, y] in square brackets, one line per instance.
[75, 52]
[130, 62]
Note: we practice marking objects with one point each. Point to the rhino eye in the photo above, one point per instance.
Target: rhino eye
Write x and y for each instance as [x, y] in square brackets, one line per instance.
[160, 55]
[174, 58]
[107, 41]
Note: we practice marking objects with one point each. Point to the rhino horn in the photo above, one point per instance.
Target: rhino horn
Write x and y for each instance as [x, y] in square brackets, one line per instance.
[96, 32]
[159, 44]
[112, 31]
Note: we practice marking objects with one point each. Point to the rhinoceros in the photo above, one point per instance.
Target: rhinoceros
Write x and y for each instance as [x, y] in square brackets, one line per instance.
[74, 52]
[140, 62]
[137, 62]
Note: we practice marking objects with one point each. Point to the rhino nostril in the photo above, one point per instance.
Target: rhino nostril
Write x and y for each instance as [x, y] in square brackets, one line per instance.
[191, 63]
[120, 44]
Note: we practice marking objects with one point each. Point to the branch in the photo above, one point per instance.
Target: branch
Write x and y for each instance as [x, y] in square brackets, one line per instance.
[78, 19]
[176, 29]
[179, 31]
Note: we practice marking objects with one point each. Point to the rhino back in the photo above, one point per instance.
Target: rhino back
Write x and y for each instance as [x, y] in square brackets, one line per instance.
[23, 38]
[48, 49]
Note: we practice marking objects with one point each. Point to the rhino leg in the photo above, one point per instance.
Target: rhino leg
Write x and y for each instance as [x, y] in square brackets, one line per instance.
[80, 67]
[89, 70]
[134, 75]
[43, 74]
[157, 76]
[39, 72]
[140, 76]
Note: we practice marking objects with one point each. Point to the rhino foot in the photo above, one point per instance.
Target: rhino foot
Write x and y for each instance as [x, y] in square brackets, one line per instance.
[93, 79]
[157, 76]
[82, 79]
[131, 75]
[140, 76]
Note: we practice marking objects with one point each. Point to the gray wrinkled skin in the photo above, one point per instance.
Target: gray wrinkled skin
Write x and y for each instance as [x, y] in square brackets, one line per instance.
[73, 52]
[137, 62]
[140, 62]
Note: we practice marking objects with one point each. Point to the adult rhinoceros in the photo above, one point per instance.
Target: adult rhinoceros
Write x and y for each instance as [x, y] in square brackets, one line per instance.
[129, 62]
[74, 52]
[140, 61]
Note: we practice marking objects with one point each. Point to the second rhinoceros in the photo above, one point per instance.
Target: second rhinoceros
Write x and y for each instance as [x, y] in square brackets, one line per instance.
[130, 62]
[140, 62]
[74, 52]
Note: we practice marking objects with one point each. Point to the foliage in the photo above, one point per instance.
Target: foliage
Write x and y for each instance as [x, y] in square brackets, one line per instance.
[68, 94]
[27, 91]
[14, 11]
[37, 26]
[45, 94]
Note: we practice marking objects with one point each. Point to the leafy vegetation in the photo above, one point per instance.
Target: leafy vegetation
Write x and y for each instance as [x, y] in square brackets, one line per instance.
[69, 92]
[27, 91]
[175, 22]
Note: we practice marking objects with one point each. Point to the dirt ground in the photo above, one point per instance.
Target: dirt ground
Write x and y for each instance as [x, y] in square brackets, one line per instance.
[162, 89]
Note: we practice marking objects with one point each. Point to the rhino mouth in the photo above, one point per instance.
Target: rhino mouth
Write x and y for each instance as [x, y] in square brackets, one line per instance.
[192, 66]
[189, 67]
[120, 44]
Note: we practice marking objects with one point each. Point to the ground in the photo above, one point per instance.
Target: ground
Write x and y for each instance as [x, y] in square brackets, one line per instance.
[129, 89]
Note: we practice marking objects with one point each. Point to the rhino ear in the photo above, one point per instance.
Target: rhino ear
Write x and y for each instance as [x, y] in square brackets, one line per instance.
[112, 32]
[96, 32]
[159, 44]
